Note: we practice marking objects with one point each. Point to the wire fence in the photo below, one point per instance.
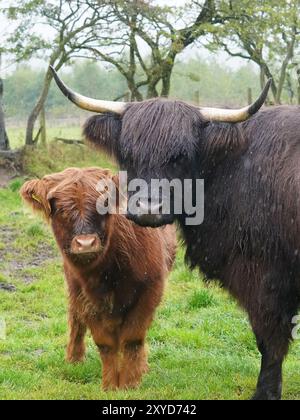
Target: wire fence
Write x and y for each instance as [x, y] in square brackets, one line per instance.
[64, 121]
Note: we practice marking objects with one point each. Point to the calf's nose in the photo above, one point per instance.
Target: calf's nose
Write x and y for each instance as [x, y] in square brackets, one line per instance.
[85, 244]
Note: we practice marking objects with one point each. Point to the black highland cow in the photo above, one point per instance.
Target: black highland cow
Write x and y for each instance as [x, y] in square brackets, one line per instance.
[250, 238]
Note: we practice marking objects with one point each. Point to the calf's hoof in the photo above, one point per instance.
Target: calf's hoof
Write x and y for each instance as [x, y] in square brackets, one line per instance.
[122, 387]
[130, 385]
[123, 384]
[74, 358]
[108, 388]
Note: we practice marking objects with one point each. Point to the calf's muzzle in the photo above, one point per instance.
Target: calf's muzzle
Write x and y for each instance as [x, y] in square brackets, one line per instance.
[86, 244]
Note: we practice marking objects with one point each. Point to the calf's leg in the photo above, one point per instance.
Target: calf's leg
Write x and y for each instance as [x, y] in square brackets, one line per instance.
[76, 346]
[132, 338]
[134, 363]
[110, 367]
[108, 348]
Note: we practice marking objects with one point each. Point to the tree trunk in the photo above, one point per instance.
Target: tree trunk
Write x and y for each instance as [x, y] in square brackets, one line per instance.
[43, 126]
[135, 95]
[265, 71]
[166, 76]
[286, 61]
[262, 78]
[151, 90]
[4, 142]
[166, 84]
[298, 90]
[43, 97]
[37, 109]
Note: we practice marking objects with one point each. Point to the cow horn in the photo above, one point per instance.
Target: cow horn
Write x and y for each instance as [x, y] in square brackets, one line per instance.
[236, 115]
[86, 103]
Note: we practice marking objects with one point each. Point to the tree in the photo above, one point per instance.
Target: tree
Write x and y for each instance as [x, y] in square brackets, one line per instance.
[266, 33]
[72, 23]
[114, 31]
[4, 142]
[298, 87]
[164, 31]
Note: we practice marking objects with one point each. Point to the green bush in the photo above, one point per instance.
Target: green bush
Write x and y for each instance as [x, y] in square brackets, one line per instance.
[35, 230]
[16, 184]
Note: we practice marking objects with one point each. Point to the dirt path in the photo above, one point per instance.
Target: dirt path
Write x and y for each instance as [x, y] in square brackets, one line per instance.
[6, 175]
[14, 265]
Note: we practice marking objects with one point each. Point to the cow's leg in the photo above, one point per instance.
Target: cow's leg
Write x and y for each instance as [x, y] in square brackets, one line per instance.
[76, 346]
[269, 385]
[269, 294]
[107, 344]
[277, 304]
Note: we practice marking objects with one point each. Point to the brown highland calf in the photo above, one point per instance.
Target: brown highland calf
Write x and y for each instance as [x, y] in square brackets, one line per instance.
[115, 271]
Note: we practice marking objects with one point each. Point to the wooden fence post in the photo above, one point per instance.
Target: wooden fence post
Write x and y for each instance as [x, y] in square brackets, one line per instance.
[250, 96]
[196, 97]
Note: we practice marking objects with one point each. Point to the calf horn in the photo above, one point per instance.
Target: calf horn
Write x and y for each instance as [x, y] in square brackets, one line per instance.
[236, 115]
[86, 103]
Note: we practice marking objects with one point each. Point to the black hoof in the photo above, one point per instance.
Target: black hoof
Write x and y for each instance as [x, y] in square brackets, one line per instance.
[265, 396]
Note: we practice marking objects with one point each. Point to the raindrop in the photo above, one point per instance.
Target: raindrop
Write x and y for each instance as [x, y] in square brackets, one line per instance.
[247, 164]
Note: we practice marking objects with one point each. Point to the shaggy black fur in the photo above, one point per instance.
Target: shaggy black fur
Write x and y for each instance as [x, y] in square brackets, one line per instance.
[250, 238]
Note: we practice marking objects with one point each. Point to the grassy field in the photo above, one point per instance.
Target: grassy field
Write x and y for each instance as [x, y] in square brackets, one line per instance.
[201, 345]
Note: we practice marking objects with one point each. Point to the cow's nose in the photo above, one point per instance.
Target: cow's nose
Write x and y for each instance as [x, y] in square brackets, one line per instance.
[150, 220]
[145, 208]
[86, 244]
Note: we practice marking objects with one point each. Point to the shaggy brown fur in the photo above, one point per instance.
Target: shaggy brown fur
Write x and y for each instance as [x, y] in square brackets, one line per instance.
[113, 292]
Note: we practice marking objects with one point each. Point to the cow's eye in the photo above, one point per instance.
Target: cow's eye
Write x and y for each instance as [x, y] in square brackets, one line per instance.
[175, 160]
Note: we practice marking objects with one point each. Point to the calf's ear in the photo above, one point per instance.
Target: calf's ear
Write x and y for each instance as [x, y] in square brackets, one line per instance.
[35, 193]
[104, 132]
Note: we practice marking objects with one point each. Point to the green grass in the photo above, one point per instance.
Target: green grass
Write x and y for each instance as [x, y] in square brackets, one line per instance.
[17, 135]
[56, 156]
[201, 345]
